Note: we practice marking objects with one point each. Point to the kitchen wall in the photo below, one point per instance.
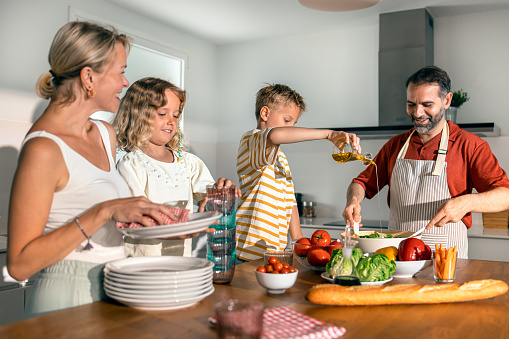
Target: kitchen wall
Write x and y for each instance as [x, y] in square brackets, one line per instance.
[336, 72]
[27, 28]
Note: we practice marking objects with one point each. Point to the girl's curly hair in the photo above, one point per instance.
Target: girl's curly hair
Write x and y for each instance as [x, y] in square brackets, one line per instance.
[133, 122]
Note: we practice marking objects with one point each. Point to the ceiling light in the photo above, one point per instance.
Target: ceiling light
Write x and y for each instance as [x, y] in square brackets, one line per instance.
[338, 5]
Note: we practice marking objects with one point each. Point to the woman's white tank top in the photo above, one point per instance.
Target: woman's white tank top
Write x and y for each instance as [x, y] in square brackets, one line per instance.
[87, 186]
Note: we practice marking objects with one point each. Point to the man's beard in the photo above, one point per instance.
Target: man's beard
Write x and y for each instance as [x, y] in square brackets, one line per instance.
[431, 124]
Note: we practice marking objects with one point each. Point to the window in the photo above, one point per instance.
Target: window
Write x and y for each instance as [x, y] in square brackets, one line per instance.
[147, 57]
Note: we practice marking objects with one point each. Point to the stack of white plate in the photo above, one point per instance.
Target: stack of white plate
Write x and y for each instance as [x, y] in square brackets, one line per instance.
[159, 283]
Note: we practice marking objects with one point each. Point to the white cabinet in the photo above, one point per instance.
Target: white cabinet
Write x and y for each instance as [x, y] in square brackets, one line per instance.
[484, 248]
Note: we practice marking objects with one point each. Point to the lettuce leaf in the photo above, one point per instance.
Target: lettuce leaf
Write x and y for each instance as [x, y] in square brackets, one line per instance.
[375, 268]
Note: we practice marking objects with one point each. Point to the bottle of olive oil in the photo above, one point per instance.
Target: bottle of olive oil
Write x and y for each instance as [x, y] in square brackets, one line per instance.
[351, 156]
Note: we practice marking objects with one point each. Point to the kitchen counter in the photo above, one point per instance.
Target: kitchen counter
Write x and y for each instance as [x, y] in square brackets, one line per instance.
[476, 231]
[483, 243]
[475, 319]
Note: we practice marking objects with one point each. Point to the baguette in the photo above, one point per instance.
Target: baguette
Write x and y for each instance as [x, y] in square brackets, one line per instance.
[330, 294]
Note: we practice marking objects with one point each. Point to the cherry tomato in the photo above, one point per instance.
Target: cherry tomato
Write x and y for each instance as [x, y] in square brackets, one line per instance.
[278, 266]
[318, 257]
[275, 272]
[272, 260]
[334, 246]
[261, 269]
[302, 250]
[269, 268]
[284, 271]
[286, 265]
[291, 269]
[320, 237]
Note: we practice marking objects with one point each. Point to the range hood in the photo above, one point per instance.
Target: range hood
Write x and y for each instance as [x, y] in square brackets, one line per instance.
[405, 45]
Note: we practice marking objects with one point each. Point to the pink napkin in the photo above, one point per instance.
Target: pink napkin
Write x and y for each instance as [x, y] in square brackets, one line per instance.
[283, 322]
[181, 213]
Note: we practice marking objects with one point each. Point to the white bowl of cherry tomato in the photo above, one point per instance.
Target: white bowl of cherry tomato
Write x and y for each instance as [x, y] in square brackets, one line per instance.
[315, 252]
[276, 276]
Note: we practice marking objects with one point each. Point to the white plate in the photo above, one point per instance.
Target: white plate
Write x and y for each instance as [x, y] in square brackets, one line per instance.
[162, 301]
[158, 284]
[375, 283]
[151, 280]
[368, 283]
[161, 267]
[158, 295]
[197, 223]
[150, 289]
[162, 306]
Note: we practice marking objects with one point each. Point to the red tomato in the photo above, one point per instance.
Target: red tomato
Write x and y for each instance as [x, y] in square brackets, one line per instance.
[334, 246]
[261, 269]
[320, 238]
[286, 265]
[269, 268]
[272, 260]
[278, 266]
[412, 249]
[284, 271]
[302, 250]
[291, 269]
[275, 272]
[318, 257]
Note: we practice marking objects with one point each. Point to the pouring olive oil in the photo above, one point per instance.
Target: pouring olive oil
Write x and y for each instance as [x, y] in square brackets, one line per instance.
[367, 159]
[351, 156]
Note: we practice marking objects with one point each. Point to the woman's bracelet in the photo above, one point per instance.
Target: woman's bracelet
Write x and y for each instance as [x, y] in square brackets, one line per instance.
[88, 246]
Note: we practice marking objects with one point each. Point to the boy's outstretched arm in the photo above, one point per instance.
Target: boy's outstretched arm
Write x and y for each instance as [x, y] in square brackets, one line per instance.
[290, 135]
[294, 228]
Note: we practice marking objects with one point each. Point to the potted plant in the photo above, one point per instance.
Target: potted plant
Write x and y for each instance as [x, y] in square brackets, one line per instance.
[458, 98]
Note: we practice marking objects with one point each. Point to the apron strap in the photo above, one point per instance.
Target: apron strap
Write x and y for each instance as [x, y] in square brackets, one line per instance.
[442, 151]
[402, 152]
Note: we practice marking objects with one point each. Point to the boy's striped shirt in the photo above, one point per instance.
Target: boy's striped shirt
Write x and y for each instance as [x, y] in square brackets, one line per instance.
[267, 200]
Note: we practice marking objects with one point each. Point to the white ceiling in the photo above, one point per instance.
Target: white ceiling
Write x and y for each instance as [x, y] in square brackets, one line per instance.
[235, 21]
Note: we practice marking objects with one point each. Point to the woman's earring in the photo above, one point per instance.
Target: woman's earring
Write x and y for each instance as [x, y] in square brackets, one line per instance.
[179, 149]
[91, 93]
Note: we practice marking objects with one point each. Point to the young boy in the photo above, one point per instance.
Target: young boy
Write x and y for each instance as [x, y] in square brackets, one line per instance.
[267, 206]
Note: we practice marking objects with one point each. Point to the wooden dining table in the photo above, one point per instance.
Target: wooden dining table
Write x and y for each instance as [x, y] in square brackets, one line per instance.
[108, 319]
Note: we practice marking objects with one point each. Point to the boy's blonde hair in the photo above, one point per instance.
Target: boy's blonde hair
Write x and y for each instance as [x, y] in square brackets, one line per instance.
[76, 45]
[277, 95]
[133, 122]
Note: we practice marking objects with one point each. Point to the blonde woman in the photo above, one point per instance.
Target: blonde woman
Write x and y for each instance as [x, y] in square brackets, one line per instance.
[66, 192]
[156, 166]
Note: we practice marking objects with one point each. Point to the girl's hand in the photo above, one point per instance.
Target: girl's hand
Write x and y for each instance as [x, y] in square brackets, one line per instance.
[137, 209]
[340, 138]
[223, 182]
[203, 205]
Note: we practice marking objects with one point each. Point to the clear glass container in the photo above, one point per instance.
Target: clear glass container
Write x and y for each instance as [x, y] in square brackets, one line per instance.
[346, 273]
[309, 209]
[348, 154]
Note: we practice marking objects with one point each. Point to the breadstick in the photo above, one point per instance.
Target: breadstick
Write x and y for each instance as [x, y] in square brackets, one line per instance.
[330, 294]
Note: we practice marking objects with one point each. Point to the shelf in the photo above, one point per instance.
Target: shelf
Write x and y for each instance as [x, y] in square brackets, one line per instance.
[482, 129]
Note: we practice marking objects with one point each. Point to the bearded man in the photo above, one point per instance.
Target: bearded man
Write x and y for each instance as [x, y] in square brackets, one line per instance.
[432, 170]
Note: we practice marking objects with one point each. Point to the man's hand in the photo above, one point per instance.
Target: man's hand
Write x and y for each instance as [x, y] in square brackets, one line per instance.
[354, 196]
[451, 210]
[352, 213]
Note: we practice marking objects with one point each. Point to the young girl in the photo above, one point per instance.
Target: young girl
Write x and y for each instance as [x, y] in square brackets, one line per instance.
[155, 166]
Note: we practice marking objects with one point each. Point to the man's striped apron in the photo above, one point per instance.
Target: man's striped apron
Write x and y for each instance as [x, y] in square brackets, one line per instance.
[418, 187]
